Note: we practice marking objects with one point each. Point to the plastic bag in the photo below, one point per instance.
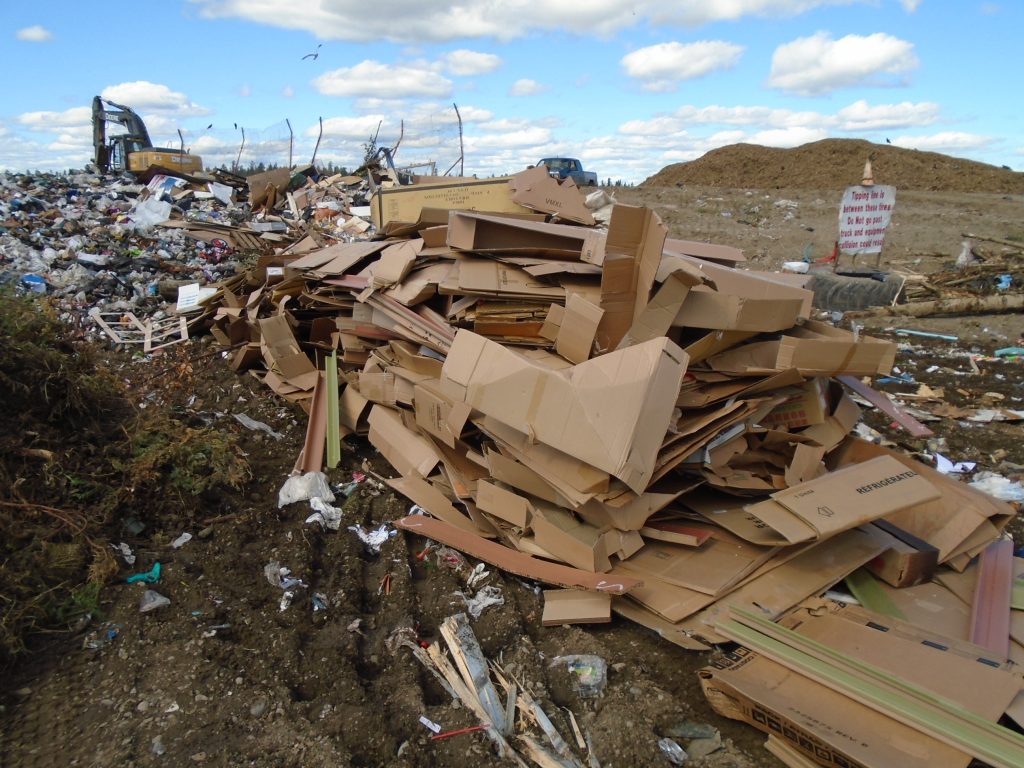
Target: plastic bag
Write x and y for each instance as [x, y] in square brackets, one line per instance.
[151, 600]
[589, 673]
[303, 488]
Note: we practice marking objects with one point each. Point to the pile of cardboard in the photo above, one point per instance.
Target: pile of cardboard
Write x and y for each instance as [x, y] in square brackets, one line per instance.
[623, 414]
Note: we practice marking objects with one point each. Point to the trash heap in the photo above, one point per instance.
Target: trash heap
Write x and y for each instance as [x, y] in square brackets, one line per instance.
[649, 429]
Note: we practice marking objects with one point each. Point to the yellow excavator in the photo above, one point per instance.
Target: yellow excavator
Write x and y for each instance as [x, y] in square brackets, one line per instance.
[132, 151]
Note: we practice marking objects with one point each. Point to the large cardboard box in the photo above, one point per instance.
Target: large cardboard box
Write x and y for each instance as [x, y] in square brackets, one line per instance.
[405, 204]
[741, 301]
[611, 412]
[815, 349]
[485, 233]
[830, 504]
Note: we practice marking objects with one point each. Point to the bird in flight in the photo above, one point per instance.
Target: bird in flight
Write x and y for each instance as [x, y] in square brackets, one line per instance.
[314, 55]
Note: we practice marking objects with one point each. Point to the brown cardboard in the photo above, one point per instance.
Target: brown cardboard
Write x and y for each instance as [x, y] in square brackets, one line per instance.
[438, 415]
[632, 256]
[945, 522]
[577, 329]
[907, 562]
[537, 190]
[666, 630]
[569, 539]
[610, 412]
[831, 432]
[832, 503]
[485, 277]
[741, 301]
[675, 533]
[515, 562]
[725, 255]
[805, 405]
[721, 562]
[657, 317]
[406, 451]
[485, 233]
[395, 262]
[405, 203]
[420, 492]
[815, 349]
[572, 606]
[509, 506]
[834, 730]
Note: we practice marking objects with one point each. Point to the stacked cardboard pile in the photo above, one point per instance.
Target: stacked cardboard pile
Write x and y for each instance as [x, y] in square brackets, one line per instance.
[620, 413]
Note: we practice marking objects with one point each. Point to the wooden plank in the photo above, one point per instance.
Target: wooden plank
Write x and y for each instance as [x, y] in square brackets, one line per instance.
[887, 406]
[990, 612]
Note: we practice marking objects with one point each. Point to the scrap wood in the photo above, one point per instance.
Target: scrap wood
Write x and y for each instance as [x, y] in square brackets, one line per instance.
[1019, 247]
[968, 305]
[887, 406]
[465, 649]
[990, 610]
[909, 704]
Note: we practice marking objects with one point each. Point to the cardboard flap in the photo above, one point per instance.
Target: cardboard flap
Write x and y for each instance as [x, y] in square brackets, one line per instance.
[841, 500]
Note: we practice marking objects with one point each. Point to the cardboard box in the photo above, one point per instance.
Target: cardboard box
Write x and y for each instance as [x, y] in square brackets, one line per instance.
[537, 190]
[483, 233]
[741, 301]
[832, 729]
[502, 503]
[830, 504]
[815, 349]
[805, 405]
[404, 204]
[907, 562]
[632, 255]
[611, 412]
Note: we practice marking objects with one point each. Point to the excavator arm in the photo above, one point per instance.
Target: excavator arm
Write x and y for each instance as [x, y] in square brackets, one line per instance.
[135, 129]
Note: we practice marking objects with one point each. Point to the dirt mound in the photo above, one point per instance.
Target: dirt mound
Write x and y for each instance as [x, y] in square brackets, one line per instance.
[834, 163]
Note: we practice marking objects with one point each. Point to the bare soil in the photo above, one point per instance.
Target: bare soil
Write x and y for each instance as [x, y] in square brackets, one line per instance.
[224, 676]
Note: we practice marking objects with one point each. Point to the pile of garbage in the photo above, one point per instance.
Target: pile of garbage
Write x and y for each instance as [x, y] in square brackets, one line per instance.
[632, 419]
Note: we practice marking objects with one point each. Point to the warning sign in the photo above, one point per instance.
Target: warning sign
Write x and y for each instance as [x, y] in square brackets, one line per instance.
[863, 217]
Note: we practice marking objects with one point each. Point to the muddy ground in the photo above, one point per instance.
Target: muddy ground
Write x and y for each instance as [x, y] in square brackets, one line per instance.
[224, 676]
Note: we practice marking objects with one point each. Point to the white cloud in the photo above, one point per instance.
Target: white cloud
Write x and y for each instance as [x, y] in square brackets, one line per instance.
[861, 116]
[946, 141]
[359, 128]
[465, 63]
[910, 5]
[661, 67]
[47, 121]
[288, 92]
[787, 137]
[245, 90]
[372, 79]
[526, 87]
[142, 94]
[414, 21]
[818, 64]
[34, 34]
[525, 137]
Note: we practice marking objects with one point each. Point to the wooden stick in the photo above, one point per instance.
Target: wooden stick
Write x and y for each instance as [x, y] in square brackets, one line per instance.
[996, 240]
[973, 305]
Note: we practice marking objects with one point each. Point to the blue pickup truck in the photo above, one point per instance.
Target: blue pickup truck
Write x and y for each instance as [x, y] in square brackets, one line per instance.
[569, 168]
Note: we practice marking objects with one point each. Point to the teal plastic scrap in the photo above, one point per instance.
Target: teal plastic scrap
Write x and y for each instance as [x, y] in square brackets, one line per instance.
[152, 576]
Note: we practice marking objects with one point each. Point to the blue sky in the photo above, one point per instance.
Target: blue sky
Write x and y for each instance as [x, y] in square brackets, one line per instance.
[629, 86]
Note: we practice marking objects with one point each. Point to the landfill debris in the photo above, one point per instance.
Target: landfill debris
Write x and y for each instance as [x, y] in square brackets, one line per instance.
[181, 541]
[948, 467]
[329, 517]
[430, 724]
[152, 576]
[260, 426]
[589, 673]
[675, 754]
[126, 553]
[151, 600]
[488, 596]
[312, 485]
[998, 486]
[101, 636]
[373, 539]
